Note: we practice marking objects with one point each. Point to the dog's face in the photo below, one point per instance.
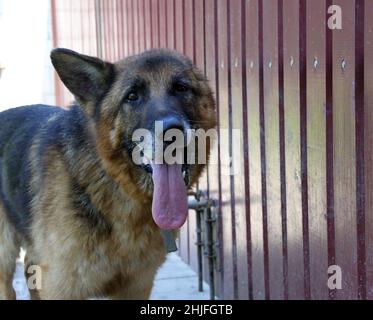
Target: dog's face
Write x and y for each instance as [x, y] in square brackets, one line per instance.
[133, 107]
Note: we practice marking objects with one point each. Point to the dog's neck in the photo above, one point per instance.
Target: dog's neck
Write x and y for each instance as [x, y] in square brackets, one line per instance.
[108, 191]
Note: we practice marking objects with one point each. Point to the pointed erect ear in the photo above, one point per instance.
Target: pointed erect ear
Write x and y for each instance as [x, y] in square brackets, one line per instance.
[86, 77]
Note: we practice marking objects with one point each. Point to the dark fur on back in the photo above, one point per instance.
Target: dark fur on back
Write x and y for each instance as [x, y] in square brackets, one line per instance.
[18, 127]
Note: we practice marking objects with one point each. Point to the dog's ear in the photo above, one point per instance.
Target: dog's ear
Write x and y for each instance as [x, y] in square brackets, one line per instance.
[87, 78]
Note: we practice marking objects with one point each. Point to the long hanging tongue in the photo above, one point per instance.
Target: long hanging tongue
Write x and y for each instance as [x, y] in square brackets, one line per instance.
[170, 198]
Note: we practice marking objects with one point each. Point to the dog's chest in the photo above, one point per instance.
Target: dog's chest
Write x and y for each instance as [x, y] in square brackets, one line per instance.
[136, 243]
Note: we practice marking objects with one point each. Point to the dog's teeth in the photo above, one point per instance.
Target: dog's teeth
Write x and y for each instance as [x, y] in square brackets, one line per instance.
[186, 177]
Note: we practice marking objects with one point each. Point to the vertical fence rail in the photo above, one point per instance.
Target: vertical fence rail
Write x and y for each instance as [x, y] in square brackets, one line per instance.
[317, 147]
[368, 146]
[344, 152]
[300, 94]
[254, 132]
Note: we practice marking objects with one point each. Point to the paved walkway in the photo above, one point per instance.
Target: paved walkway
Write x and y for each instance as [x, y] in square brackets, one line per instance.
[175, 280]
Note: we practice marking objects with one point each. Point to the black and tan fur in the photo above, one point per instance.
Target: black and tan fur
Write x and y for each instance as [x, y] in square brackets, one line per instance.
[69, 191]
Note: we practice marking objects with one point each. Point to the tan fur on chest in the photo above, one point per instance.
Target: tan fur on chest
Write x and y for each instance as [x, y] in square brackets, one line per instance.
[126, 243]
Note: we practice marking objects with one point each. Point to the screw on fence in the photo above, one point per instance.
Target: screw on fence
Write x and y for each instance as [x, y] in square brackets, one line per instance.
[291, 61]
[236, 63]
[343, 64]
[315, 63]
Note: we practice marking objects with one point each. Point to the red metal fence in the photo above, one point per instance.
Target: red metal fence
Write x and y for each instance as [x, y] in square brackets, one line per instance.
[302, 95]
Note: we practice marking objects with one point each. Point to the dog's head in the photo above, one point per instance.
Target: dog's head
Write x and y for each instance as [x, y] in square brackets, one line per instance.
[144, 112]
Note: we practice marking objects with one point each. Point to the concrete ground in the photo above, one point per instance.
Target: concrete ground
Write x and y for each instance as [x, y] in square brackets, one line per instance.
[175, 280]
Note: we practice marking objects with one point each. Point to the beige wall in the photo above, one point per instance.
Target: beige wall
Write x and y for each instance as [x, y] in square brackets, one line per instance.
[25, 43]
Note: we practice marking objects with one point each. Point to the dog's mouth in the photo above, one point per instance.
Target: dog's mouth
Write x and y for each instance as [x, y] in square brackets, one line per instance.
[170, 198]
[169, 206]
[170, 189]
[185, 171]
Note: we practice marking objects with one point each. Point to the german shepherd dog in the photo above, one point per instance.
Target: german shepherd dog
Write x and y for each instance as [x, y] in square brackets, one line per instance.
[70, 192]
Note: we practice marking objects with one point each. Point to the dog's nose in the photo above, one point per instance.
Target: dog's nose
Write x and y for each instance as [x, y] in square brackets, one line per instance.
[173, 123]
[174, 131]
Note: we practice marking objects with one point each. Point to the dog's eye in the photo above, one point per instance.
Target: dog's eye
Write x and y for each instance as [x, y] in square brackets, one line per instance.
[180, 87]
[132, 96]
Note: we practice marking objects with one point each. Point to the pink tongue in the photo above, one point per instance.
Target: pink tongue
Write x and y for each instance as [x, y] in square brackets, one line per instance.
[170, 199]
